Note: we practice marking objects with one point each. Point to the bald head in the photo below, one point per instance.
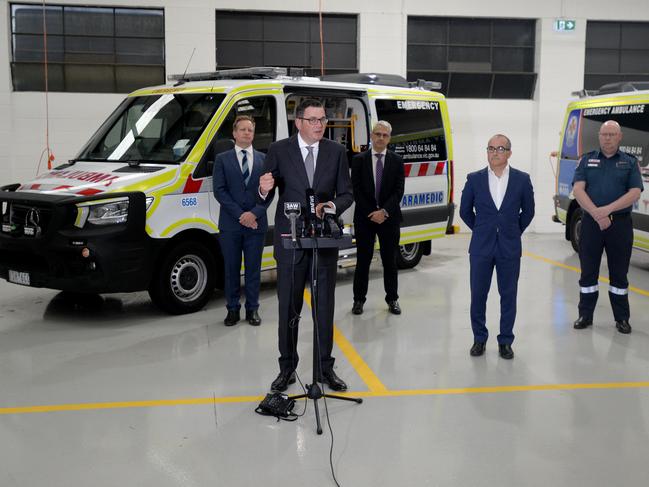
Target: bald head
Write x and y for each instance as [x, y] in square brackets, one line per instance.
[610, 136]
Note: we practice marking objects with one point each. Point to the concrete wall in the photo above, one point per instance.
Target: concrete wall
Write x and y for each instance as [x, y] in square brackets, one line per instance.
[533, 125]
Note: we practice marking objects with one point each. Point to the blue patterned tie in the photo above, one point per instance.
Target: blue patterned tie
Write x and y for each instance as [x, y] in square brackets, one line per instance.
[244, 167]
[379, 175]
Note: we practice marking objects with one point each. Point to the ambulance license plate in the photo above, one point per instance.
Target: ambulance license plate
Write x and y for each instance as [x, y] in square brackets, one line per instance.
[19, 277]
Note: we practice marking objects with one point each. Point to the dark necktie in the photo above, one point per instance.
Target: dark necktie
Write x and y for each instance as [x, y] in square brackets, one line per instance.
[308, 164]
[378, 177]
[245, 171]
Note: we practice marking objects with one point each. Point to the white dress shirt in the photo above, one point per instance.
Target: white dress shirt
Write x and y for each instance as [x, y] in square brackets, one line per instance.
[498, 185]
[240, 156]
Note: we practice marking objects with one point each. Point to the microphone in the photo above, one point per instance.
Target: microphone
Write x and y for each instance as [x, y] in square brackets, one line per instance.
[292, 210]
[311, 214]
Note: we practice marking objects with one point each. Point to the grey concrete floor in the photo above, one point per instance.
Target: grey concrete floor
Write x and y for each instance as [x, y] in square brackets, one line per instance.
[133, 397]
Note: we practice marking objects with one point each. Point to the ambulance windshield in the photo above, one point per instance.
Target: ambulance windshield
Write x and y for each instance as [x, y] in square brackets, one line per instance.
[156, 128]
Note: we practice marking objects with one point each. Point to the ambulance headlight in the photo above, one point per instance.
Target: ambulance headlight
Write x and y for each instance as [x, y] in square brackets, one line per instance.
[108, 213]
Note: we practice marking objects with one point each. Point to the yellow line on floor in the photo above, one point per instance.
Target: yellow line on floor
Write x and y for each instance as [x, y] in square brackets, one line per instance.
[385, 393]
[360, 366]
[578, 270]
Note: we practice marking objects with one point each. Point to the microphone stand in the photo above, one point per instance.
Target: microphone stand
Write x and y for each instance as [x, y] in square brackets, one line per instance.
[314, 390]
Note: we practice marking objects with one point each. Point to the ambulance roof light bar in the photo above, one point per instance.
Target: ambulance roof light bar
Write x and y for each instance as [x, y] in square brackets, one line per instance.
[619, 87]
[266, 72]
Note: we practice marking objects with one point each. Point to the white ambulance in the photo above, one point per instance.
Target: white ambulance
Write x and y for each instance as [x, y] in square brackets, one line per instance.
[135, 209]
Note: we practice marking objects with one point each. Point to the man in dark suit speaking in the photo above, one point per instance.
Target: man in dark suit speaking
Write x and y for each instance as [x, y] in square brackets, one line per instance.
[305, 160]
[378, 180]
[497, 205]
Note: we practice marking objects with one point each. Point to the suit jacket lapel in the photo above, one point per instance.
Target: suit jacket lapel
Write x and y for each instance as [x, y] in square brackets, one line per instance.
[320, 164]
[369, 173]
[236, 168]
[508, 190]
[298, 161]
[485, 183]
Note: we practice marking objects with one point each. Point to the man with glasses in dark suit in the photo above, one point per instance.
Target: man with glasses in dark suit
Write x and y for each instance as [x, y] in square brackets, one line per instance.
[306, 160]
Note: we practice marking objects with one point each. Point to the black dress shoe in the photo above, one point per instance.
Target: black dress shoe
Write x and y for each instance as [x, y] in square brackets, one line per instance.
[394, 307]
[334, 382]
[232, 318]
[357, 308]
[506, 352]
[253, 318]
[477, 349]
[623, 326]
[582, 322]
[281, 383]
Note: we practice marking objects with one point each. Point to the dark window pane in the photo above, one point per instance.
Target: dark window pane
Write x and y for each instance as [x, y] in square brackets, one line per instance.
[520, 86]
[470, 85]
[89, 79]
[595, 81]
[510, 32]
[635, 61]
[602, 61]
[635, 35]
[132, 22]
[269, 39]
[30, 48]
[131, 78]
[286, 54]
[513, 59]
[28, 19]
[605, 35]
[335, 27]
[469, 58]
[31, 77]
[243, 26]
[89, 50]
[88, 21]
[427, 57]
[239, 53]
[286, 28]
[428, 31]
[139, 51]
[81, 45]
[337, 56]
[470, 31]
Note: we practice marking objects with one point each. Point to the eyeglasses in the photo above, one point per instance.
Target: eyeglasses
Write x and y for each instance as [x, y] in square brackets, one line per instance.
[381, 135]
[315, 121]
[500, 149]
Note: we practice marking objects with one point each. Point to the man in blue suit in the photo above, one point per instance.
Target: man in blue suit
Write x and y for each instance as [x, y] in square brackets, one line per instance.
[497, 205]
[242, 219]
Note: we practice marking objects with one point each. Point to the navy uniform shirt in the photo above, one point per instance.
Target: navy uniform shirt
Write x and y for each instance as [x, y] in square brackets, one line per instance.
[608, 178]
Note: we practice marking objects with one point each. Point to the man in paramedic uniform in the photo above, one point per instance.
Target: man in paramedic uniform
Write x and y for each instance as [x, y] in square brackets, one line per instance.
[606, 184]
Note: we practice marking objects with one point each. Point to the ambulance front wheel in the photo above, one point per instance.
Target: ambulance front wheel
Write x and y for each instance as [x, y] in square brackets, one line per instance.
[575, 228]
[185, 280]
[409, 255]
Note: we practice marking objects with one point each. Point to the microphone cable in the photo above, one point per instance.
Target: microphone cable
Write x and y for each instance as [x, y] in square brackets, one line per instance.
[316, 331]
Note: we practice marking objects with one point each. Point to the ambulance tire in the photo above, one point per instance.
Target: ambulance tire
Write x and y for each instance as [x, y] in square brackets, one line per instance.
[575, 228]
[185, 279]
[409, 255]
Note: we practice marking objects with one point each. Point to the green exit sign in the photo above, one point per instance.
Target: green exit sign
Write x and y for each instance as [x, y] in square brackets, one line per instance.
[564, 25]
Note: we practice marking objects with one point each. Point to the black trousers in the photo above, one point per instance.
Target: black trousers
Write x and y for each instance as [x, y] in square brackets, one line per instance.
[617, 240]
[388, 234]
[291, 281]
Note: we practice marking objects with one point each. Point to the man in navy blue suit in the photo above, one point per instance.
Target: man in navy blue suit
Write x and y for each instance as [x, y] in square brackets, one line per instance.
[497, 205]
[242, 219]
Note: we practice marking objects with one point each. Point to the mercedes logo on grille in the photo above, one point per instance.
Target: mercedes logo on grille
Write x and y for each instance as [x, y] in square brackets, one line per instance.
[32, 222]
[33, 217]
